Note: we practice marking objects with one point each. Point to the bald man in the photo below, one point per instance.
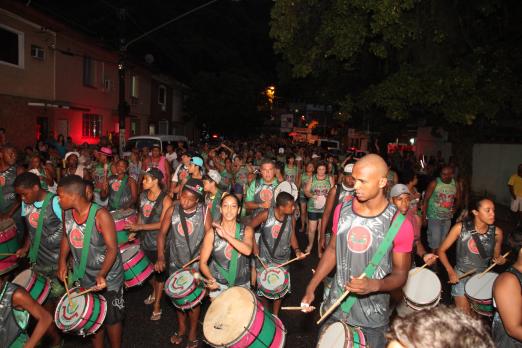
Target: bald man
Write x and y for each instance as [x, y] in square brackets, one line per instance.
[360, 225]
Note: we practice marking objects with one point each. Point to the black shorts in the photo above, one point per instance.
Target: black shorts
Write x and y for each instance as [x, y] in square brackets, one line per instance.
[314, 216]
[153, 257]
[115, 306]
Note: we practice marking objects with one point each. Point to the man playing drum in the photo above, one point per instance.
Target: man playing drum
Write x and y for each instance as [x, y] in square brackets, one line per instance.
[181, 233]
[44, 223]
[9, 202]
[91, 239]
[478, 240]
[361, 225]
[277, 236]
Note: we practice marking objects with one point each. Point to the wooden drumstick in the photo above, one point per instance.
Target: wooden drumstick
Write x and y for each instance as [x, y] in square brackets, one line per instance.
[466, 274]
[67, 289]
[492, 265]
[199, 276]
[262, 263]
[7, 254]
[420, 268]
[190, 262]
[84, 292]
[337, 303]
[292, 260]
[296, 308]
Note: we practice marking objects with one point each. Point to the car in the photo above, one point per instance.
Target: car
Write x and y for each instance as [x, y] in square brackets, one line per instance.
[141, 141]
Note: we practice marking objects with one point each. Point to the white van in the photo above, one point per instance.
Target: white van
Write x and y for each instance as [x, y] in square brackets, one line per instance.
[328, 144]
[142, 141]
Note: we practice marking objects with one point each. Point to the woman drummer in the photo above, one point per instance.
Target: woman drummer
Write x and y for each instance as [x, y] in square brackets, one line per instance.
[478, 241]
[154, 202]
[507, 294]
[229, 243]
[121, 188]
[277, 237]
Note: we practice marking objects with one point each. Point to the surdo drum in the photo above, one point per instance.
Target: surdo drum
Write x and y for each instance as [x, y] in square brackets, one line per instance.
[184, 289]
[422, 290]
[237, 319]
[82, 315]
[273, 282]
[479, 291]
[121, 218]
[341, 335]
[136, 265]
[8, 245]
[36, 285]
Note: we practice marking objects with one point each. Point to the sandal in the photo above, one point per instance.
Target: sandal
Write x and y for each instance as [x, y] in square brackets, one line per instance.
[177, 339]
[155, 316]
[193, 343]
[150, 300]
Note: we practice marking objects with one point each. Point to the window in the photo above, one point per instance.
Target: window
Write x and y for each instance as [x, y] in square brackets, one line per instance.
[162, 95]
[89, 72]
[135, 87]
[37, 52]
[12, 43]
[91, 126]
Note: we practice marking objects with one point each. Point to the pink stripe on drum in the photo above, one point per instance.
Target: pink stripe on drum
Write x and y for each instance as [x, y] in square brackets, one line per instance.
[101, 316]
[280, 334]
[87, 312]
[8, 234]
[133, 260]
[255, 328]
[45, 292]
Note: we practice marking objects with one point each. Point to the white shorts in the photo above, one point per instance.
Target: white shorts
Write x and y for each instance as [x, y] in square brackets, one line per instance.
[516, 204]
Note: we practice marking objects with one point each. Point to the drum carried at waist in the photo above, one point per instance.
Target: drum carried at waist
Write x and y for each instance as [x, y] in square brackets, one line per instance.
[8, 245]
[184, 289]
[82, 315]
[37, 285]
[422, 289]
[136, 265]
[341, 335]
[273, 282]
[479, 291]
[237, 319]
[122, 217]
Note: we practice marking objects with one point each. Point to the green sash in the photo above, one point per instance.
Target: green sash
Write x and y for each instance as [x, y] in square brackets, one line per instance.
[215, 202]
[347, 304]
[79, 272]
[231, 275]
[35, 246]
[116, 202]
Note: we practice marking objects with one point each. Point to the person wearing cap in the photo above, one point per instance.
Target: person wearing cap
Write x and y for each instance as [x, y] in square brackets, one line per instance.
[213, 193]
[195, 168]
[157, 160]
[121, 189]
[179, 175]
[101, 172]
[182, 230]
[154, 203]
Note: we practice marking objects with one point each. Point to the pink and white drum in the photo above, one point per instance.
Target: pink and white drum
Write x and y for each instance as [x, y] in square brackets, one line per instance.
[422, 290]
[479, 291]
[273, 282]
[184, 289]
[237, 319]
[8, 245]
[121, 218]
[82, 315]
[136, 265]
[37, 285]
[341, 335]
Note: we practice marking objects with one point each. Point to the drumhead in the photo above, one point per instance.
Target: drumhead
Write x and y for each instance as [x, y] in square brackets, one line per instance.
[423, 287]
[23, 278]
[228, 316]
[335, 335]
[481, 288]
[129, 252]
[272, 278]
[69, 314]
[179, 282]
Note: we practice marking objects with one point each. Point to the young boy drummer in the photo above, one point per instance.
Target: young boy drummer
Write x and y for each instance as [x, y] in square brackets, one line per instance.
[181, 233]
[44, 223]
[277, 236]
[91, 239]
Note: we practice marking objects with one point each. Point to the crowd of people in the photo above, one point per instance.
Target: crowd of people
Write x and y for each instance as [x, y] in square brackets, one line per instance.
[229, 213]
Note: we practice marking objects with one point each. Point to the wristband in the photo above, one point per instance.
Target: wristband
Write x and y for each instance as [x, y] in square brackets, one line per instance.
[296, 250]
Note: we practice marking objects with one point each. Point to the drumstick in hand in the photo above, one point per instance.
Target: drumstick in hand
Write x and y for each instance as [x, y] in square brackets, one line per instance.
[420, 269]
[292, 260]
[199, 276]
[67, 289]
[7, 254]
[190, 262]
[84, 292]
[492, 265]
[466, 274]
[337, 303]
[295, 308]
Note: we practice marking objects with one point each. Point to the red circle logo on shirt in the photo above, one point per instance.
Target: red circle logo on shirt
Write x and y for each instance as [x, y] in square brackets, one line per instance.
[147, 209]
[2, 181]
[116, 185]
[275, 230]
[228, 251]
[266, 195]
[190, 228]
[76, 238]
[182, 175]
[33, 219]
[359, 239]
[472, 246]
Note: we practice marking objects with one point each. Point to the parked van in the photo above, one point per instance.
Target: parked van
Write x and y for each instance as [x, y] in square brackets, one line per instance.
[142, 141]
[328, 144]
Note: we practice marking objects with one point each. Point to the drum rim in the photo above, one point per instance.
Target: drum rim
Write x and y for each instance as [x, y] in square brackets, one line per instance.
[59, 306]
[476, 277]
[344, 327]
[189, 290]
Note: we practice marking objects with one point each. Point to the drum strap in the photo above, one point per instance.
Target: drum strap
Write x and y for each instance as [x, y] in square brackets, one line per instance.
[79, 272]
[231, 275]
[119, 192]
[278, 239]
[157, 203]
[186, 234]
[347, 304]
[35, 247]
[471, 228]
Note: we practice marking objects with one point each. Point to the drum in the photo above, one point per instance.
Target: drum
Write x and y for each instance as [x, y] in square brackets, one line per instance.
[237, 319]
[288, 187]
[121, 218]
[319, 202]
[479, 291]
[37, 285]
[83, 315]
[422, 290]
[341, 335]
[136, 265]
[8, 245]
[273, 282]
[185, 291]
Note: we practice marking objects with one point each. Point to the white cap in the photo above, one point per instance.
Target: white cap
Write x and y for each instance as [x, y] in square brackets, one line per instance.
[348, 168]
[214, 175]
[315, 156]
[298, 158]
[281, 150]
